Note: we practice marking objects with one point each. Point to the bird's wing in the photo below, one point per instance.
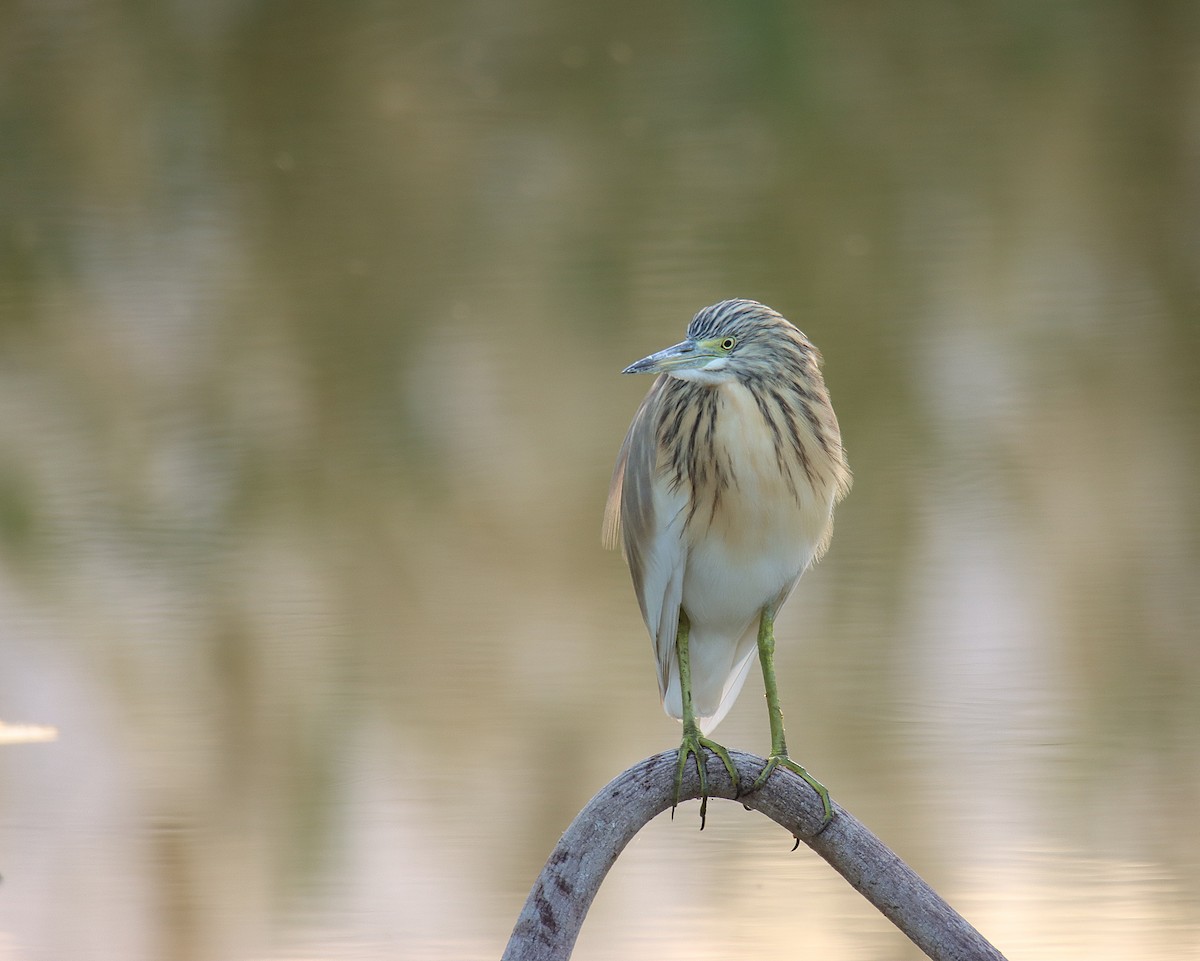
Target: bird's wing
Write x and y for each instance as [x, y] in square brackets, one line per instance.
[647, 518]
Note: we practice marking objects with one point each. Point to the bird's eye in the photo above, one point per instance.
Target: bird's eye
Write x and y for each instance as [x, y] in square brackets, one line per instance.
[728, 343]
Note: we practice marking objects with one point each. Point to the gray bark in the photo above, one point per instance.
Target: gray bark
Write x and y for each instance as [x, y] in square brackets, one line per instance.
[553, 914]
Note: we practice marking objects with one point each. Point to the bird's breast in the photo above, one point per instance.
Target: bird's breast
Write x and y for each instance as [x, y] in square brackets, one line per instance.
[755, 522]
[769, 494]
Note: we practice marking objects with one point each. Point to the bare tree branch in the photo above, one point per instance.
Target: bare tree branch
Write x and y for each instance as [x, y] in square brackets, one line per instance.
[553, 914]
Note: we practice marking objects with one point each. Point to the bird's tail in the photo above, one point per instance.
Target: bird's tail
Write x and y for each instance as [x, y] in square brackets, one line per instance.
[719, 670]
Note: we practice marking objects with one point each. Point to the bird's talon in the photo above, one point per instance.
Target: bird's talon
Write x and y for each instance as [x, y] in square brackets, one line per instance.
[777, 760]
[694, 745]
[730, 767]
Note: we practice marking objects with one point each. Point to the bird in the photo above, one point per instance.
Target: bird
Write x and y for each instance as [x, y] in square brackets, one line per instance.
[722, 496]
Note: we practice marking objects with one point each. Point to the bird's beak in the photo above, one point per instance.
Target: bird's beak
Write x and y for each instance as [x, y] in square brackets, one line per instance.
[686, 356]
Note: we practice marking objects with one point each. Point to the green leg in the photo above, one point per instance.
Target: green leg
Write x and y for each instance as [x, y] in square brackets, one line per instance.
[694, 742]
[779, 755]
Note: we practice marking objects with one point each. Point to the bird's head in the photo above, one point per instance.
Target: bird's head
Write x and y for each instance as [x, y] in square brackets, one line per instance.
[732, 340]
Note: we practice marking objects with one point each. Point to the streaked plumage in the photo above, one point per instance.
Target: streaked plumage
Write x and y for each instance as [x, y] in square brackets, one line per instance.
[723, 492]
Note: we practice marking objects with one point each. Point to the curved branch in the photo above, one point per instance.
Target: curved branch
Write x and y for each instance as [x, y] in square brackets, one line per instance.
[553, 914]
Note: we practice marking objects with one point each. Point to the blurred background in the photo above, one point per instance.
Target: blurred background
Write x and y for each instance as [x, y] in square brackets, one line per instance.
[311, 323]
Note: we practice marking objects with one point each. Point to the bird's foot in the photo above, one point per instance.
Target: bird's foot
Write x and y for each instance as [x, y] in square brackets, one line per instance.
[693, 745]
[782, 760]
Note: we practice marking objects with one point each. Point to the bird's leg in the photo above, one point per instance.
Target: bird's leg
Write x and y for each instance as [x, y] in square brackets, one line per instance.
[779, 755]
[694, 742]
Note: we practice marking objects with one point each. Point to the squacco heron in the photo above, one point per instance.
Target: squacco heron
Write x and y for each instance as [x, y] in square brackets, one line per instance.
[722, 497]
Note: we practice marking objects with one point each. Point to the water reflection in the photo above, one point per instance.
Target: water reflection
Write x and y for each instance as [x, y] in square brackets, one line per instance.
[311, 323]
